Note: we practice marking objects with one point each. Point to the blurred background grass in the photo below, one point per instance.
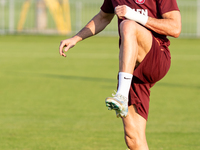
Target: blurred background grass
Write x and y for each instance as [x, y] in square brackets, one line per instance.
[48, 102]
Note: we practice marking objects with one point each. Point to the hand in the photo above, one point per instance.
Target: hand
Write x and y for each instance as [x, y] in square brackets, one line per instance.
[121, 11]
[65, 45]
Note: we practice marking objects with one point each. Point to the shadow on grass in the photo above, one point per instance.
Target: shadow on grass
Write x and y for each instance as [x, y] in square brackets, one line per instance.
[107, 80]
[67, 77]
[176, 85]
[96, 79]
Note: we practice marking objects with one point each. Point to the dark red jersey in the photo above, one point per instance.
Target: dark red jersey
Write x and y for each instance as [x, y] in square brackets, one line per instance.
[152, 8]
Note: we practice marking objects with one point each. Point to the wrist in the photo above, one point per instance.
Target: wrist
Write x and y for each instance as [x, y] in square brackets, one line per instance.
[77, 38]
[136, 16]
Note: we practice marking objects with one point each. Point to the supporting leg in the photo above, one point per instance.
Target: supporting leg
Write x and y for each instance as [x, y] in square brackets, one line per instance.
[134, 130]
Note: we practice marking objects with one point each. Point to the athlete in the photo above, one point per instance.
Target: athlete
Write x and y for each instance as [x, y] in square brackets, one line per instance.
[144, 57]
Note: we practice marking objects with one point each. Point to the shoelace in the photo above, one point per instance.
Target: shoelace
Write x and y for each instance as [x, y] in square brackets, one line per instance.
[119, 96]
[113, 94]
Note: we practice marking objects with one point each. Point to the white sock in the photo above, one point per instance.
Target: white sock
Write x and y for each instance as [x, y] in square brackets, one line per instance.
[124, 83]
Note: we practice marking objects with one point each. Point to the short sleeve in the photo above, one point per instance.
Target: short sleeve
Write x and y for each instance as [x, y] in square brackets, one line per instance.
[107, 6]
[167, 6]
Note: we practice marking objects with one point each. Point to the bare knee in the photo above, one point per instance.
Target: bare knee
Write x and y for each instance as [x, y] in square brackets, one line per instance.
[128, 28]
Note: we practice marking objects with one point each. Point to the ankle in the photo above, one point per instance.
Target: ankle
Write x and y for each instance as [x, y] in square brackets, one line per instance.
[125, 80]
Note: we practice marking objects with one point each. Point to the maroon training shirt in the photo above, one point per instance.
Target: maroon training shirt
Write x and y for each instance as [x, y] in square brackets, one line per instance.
[152, 8]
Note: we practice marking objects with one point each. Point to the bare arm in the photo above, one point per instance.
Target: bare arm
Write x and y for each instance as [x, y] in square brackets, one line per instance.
[96, 25]
[170, 25]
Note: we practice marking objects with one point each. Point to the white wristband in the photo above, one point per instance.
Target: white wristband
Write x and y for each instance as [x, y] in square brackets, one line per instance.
[136, 16]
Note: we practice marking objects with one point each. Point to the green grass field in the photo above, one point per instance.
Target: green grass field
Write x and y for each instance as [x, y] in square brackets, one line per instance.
[48, 102]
